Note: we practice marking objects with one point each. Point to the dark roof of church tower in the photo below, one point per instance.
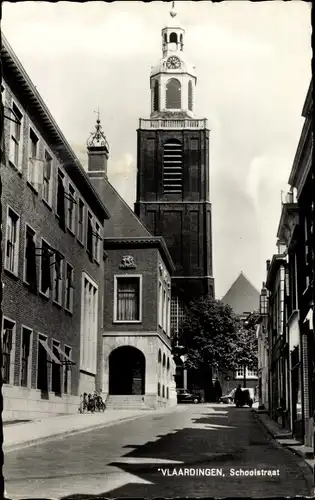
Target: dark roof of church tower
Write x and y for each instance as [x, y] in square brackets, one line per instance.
[242, 296]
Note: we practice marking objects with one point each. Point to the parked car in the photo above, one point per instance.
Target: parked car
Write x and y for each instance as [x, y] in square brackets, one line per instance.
[247, 398]
[184, 396]
[228, 398]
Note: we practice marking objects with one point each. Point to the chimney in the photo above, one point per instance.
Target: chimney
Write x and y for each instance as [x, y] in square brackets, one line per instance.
[98, 152]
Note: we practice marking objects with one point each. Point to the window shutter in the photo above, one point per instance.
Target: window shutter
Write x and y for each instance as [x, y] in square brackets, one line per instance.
[30, 163]
[21, 144]
[61, 203]
[9, 234]
[17, 245]
[11, 142]
[31, 263]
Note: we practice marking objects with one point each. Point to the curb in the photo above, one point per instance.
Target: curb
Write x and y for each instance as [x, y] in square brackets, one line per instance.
[274, 434]
[303, 464]
[72, 432]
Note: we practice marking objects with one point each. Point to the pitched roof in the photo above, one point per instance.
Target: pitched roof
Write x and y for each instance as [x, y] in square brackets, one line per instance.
[123, 221]
[242, 296]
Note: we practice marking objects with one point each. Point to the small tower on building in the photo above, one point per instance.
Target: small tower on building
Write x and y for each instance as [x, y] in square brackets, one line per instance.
[98, 152]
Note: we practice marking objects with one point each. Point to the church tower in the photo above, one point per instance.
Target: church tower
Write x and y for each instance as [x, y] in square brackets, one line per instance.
[173, 168]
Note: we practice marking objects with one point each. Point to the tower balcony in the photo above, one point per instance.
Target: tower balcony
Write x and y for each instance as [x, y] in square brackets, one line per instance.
[178, 124]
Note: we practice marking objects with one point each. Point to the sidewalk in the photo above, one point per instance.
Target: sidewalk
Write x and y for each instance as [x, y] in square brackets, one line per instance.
[21, 435]
[284, 438]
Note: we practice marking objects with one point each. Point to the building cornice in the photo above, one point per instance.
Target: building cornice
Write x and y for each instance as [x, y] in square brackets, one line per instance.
[276, 262]
[308, 104]
[302, 160]
[149, 242]
[27, 93]
[288, 220]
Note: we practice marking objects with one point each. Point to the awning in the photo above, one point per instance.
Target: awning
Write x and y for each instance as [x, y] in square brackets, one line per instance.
[52, 356]
[67, 359]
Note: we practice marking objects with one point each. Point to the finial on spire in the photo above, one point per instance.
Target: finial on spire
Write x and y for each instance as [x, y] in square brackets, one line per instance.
[173, 12]
[97, 138]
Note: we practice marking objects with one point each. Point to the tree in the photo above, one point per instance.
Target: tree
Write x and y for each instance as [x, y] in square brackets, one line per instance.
[213, 337]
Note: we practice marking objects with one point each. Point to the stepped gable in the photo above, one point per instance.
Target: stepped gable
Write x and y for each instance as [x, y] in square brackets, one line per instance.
[242, 296]
[123, 221]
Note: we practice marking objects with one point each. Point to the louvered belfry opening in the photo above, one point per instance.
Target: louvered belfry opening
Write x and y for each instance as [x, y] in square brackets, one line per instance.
[173, 167]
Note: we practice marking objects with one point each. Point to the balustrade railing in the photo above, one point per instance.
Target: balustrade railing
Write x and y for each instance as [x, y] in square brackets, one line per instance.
[174, 124]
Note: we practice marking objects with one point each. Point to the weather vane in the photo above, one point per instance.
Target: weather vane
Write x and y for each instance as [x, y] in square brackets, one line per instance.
[98, 111]
[173, 11]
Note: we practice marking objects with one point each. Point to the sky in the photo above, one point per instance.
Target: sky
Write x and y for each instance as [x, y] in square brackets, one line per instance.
[253, 64]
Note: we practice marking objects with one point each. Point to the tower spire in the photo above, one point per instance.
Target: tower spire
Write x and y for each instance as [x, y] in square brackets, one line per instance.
[97, 138]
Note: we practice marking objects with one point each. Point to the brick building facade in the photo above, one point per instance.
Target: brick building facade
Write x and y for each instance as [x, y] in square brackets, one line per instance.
[53, 268]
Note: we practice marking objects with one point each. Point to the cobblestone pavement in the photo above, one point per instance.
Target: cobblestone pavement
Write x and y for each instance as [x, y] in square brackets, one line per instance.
[188, 454]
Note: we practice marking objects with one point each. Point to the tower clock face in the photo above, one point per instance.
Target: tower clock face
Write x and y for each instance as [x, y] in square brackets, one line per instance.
[173, 63]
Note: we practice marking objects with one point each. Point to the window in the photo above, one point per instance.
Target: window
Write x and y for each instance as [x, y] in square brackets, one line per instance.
[163, 391]
[42, 360]
[45, 268]
[160, 304]
[47, 178]
[167, 393]
[89, 324]
[7, 343]
[173, 94]
[33, 161]
[173, 38]
[12, 242]
[97, 242]
[190, 96]
[67, 372]
[172, 167]
[25, 357]
[249, 373]
[16, 137]
[168, 326]
[58, 272]
[164, 310]
[71, 209]
[69, 287]
[156, 96]
[159, 356]
[30, 271]
[56, 370]
[127, 300]
[81, 221]
[159, 389]
[61, 200]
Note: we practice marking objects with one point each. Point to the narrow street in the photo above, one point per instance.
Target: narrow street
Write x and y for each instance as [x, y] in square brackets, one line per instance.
[191, 453]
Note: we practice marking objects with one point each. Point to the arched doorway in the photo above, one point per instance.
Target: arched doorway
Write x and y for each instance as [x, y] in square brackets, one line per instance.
[126, 371]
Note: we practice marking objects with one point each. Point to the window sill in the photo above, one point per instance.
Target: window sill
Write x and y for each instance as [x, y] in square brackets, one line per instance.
[43, 295]
[30, 185]
[97, 262]
[19, 171]
[70, 231]
[80, 243]
[28, 286]
[11, 273]
[122, 321]
[47, 204]
[57, 304]
[69, 312]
